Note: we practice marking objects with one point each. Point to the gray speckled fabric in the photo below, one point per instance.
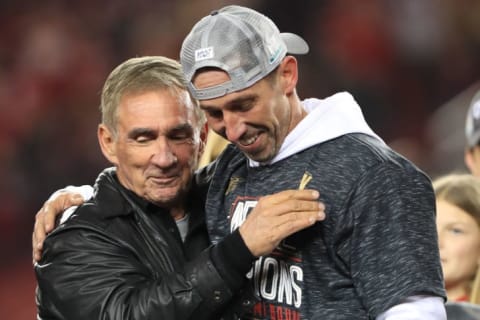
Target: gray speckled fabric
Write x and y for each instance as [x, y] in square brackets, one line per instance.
[377, 246]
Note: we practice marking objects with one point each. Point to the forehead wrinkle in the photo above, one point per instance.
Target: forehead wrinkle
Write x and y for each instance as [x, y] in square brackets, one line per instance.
[231, 103]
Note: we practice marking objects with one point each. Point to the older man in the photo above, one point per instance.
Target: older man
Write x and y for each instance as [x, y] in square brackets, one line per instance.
[134, 251]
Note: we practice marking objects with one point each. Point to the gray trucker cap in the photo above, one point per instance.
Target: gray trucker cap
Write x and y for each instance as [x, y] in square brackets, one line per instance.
[243, 42]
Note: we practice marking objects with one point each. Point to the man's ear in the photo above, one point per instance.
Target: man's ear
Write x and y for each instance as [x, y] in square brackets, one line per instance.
[469, 160]
[106, 140]
[203, 139]
[288, 73]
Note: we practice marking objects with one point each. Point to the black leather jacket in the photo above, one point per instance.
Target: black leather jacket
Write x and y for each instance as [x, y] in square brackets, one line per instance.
[111, 260]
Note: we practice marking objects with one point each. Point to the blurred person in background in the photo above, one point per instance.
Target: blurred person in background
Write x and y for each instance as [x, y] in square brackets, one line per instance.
[134, 251]
[458, 227]
[472, 133]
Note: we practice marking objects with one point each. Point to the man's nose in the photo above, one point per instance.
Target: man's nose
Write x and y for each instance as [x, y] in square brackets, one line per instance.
[233, 126]
[164, 156]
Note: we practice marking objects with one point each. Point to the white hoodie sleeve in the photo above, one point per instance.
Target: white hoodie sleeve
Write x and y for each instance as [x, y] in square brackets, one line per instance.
[417, 307]
[86, 191]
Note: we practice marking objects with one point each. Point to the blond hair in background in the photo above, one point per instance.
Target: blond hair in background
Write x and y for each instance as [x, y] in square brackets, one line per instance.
[213, 147]
[463, 191]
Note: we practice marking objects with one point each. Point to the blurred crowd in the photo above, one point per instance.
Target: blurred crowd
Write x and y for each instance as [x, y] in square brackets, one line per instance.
[402, 60]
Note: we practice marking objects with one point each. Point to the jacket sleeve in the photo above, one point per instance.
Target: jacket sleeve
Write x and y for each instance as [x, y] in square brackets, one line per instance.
[84, 274]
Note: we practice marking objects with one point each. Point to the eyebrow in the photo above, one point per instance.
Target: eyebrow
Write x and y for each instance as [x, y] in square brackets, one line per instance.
[136, 132]
[182, 127]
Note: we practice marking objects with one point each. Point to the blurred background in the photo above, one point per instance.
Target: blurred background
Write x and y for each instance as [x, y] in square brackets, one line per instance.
[412, 65]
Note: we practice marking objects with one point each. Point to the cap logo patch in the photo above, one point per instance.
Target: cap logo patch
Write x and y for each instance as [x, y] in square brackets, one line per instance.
[204, 53]
[273, 48]
[274, 56]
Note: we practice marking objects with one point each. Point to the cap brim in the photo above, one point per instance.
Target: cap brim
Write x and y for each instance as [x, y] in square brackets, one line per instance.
[295, 44]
